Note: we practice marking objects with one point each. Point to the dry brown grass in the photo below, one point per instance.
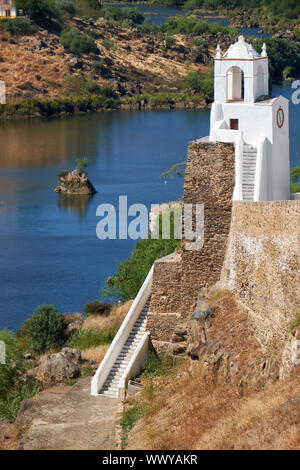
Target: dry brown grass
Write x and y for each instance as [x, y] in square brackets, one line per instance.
[95, 354]
[113, 320]
[203, 411]
[196, 416]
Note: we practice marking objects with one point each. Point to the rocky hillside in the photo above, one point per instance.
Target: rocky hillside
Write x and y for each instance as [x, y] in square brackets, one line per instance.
[131, 62]
[229, 390]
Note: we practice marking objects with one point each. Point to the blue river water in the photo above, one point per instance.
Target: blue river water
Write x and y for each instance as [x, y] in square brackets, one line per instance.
[49, 252]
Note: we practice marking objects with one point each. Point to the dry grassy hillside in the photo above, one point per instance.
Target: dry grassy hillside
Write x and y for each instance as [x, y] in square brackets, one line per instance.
[36, 65]
[230, 398]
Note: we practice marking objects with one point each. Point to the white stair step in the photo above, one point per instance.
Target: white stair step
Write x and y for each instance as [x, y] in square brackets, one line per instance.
[111, 384]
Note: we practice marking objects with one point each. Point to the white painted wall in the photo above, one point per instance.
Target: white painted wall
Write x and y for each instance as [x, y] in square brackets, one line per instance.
[281, 153]
[257, 121]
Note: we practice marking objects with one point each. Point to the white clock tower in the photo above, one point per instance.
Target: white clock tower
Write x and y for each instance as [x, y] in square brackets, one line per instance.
[258, 124]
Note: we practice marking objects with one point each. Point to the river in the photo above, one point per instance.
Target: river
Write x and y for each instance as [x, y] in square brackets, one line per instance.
[48, 246]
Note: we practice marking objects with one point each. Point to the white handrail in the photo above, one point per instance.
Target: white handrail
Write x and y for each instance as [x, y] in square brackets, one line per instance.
[260, 187]
[121, 337]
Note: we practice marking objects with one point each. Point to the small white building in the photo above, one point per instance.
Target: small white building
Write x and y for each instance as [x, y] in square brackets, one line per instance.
[244, 113]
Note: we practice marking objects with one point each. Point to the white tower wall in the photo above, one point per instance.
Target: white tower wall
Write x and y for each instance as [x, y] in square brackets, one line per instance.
[243, 112]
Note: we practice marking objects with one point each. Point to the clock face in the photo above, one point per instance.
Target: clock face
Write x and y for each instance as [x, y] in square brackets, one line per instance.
[280, 117]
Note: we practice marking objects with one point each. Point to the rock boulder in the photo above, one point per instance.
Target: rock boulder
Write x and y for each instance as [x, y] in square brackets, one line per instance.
[57, 368]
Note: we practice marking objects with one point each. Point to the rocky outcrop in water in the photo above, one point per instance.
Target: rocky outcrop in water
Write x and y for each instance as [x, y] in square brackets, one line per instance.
[74, 182]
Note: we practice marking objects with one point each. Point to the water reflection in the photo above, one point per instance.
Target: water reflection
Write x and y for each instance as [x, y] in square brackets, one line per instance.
[76, 203]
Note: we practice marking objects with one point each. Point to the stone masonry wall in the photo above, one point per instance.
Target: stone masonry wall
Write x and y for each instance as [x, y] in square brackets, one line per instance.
[262, 264]
[177, 279]
[209, 180]
[164, 313]
[166, 283]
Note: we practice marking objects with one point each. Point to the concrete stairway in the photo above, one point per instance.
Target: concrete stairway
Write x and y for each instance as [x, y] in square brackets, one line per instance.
[111, 385]
[249, 169]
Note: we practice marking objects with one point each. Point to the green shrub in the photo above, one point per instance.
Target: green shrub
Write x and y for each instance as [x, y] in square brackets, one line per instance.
[193, 25]
[130, 275]
[193, 82]
[13, 388]
[129, 418]
[295, 179]
[13, 369]
[46, 329]
[282, 53]
[62, 174]
[97, 308]
[107, 44]
[85, 339]
[118, 15]
[170, 41]
[10, 407]
[159, 365]
[294, 326]
[80, 85]
[65, 104]
[98, 67]
[81, 164]
[200, 84]
[18, 26]
[77, 42]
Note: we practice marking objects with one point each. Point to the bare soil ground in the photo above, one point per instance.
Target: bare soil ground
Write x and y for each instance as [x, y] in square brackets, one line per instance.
[65, 418]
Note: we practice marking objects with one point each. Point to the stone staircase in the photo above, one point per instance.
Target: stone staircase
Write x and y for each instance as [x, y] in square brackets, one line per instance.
[249, 169]
[111, 385]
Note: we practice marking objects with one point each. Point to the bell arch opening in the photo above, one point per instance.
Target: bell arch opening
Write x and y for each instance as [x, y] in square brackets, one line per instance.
[235, 84]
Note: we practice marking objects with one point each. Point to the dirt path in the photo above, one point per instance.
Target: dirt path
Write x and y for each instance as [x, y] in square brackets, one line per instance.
[67, 418]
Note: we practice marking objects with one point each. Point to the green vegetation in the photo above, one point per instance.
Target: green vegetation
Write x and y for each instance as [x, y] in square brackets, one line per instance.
[77, 42]
[282, 53]
[99, 67]
[56, 13]
[128, 420]
[31, 107]
[131, 16]
[97, 308]
[46, 329]
[151, 398]
[270, 11]
[13, 386]
[81, 164]
[9, 408]
[156, 366]
[85, 339]
[295, 325]
[167, 99]
[295, 180]
[203, 84]
[17, 26]
[193, 25]
[131, 273]
[62, 174]
[175, 170]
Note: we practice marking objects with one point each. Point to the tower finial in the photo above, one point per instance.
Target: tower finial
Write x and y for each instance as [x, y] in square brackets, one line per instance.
[218, 54]
[251, 52]
[264, 50]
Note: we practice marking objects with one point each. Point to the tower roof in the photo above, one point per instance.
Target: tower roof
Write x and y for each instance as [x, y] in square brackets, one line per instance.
[241, 50]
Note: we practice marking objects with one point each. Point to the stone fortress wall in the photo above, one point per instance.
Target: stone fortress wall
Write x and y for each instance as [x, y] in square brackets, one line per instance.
[252, 249]
[262, 264]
